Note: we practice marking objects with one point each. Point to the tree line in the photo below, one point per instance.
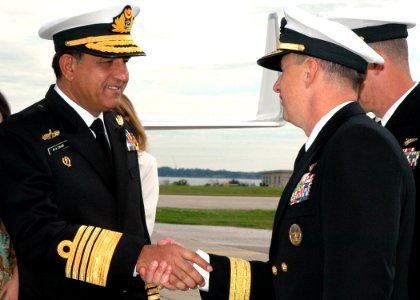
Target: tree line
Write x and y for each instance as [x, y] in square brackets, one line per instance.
[206, 173]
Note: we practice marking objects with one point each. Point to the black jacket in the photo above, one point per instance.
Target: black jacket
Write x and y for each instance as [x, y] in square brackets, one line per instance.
[343, 228]
[54, 178]
[405, 126]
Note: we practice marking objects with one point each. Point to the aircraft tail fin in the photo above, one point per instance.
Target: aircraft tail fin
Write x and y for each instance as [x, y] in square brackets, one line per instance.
[269, 108]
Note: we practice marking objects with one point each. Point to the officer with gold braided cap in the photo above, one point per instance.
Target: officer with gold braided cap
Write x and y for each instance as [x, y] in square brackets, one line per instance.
[344, 224]
[71, 196]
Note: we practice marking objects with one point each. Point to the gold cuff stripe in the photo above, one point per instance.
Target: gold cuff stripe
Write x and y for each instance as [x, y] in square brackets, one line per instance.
[240, 279]
[88, 249]
[102, 38]
[89, 254]
[152, 291]
[290, 46]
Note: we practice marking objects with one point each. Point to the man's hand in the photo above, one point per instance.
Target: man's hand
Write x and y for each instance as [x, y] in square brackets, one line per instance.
[170, 260]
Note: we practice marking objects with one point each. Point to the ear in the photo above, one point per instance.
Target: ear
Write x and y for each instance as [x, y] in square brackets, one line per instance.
[67, 63]
[311, 69]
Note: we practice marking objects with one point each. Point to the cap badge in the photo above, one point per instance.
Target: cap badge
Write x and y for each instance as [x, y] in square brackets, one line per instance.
[120, 120]
[295, 235]
[124, 21]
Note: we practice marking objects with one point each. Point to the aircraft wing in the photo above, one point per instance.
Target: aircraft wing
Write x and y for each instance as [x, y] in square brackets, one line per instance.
[269, 114]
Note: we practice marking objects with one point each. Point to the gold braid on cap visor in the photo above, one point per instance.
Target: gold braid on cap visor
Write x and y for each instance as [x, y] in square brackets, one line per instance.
[290, 46]
[117, 43]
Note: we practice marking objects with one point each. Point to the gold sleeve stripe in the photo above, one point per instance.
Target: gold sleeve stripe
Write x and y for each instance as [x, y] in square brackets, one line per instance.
[152, 291]
[90, 253]
[88, 249]
[240, 279]
[79, 252]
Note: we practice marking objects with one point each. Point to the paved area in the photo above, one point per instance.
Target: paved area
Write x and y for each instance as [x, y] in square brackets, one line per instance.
[251, 244]
[218, 202]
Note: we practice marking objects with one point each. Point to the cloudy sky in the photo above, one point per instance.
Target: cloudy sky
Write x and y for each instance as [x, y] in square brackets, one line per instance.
[201, 62]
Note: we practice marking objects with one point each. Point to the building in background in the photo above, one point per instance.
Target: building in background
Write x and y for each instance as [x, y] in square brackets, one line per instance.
[276, 178]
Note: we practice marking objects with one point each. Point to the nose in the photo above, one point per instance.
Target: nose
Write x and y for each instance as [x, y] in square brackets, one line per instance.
[276, 86]
[120, 69]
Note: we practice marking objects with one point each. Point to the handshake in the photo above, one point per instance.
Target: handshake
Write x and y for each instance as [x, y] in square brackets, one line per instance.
[172, 266]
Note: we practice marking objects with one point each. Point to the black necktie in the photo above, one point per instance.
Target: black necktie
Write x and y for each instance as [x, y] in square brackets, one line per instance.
[99, 129]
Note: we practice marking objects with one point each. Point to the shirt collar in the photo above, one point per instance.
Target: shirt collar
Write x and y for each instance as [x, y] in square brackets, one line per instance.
[83, 113]
[321, 123]
[394, 107]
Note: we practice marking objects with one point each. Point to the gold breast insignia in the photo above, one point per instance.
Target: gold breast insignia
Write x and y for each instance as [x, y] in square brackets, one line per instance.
[408, 141]
[50, 135]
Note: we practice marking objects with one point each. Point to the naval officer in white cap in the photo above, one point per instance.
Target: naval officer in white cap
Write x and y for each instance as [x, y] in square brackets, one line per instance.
[344, 223]
[391, 94]
[71, 195]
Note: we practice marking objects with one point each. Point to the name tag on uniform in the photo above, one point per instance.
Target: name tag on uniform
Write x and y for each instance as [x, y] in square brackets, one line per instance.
[58, 147]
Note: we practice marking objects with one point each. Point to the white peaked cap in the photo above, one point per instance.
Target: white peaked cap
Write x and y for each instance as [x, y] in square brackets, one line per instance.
[307, 34]
[374, 24]
[105, 32]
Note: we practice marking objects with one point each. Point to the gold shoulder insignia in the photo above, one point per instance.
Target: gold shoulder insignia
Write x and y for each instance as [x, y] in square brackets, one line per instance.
[124, 21]
[311, 167]
[408, 141]
[120, 120]
[50, 135]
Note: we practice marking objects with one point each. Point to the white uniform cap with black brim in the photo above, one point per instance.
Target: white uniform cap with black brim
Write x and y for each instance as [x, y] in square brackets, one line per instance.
[307, 34]
[374, 24]
[105, 33]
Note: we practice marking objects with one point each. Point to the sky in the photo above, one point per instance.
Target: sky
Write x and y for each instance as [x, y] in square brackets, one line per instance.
[200, 62]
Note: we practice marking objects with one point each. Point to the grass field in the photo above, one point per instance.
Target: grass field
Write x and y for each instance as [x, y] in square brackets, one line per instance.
[260, 219]
[221, 190]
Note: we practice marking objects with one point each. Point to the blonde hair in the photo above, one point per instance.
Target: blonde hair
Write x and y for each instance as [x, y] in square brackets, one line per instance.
[127, 111]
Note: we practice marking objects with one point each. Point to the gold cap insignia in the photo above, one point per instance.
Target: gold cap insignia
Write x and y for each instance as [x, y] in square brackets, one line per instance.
[120, 120]
[408, 141]
[50, 134]
[66, 161]
[124, 21]
[295, 234]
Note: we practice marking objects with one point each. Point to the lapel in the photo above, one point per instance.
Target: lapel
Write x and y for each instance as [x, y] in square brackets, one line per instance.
[305, 159]
[75, 130]
[131, 217]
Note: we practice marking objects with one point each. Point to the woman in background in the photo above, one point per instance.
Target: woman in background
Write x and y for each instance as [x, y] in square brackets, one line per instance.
[9, 279]
[147, 163]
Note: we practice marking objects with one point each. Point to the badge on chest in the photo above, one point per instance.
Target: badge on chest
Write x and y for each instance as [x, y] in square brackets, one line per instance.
[302, 190]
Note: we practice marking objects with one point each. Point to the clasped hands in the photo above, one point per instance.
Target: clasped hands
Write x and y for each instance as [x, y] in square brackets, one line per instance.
[170, 265]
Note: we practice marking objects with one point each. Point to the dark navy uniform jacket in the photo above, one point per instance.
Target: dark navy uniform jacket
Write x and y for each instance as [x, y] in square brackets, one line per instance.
[404, 124]
[76, 219]
[344, 225]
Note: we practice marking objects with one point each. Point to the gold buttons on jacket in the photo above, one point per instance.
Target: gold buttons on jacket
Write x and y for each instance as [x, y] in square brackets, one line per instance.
[274, 270]
[284, 267]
